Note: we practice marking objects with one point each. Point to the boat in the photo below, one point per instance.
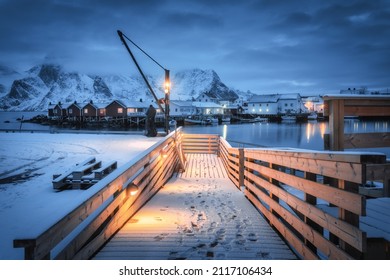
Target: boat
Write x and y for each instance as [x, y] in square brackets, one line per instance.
[260, 119]
[312, 116]
[194, 120]
[226, 119]
[212, 121]
[289, 118]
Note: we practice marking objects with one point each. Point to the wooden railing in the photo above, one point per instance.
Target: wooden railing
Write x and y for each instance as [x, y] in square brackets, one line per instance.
[311, 198]
[339, 106]
[92, 223]
[200, 143]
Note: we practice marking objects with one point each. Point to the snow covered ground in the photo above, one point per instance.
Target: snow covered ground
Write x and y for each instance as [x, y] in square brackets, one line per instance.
[28, 202]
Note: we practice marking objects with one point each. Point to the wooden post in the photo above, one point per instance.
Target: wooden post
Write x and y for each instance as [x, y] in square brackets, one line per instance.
[241, 166]
[350, 218]
[313, 201]
[276, 184]
[336, 124]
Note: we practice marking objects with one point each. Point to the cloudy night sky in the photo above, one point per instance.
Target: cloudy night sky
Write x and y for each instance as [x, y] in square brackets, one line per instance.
[265, 46]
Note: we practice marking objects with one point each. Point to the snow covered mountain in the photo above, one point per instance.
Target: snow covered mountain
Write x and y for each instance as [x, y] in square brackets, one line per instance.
[35, 89]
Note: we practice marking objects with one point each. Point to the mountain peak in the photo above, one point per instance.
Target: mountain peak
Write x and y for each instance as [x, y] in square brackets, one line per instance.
[50, 83]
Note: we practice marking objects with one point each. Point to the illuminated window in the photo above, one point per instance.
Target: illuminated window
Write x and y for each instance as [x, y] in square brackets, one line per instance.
[120, 110]
[86, 111]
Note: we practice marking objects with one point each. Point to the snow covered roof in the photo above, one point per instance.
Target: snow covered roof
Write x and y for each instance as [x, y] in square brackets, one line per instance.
[97, 105]
[206, 105]
[181, 103]
[134, 104]
[289, 96]
[264, 98]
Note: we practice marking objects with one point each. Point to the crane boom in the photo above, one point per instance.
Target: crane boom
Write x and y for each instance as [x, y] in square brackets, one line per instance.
[121, 36]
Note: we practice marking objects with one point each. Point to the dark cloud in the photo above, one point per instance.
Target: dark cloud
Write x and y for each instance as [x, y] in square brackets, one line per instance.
[261, 45]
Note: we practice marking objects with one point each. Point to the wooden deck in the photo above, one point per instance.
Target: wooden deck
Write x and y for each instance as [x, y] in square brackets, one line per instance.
[198, 214]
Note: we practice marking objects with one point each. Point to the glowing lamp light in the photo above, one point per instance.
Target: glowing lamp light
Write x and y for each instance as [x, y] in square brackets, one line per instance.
[167, 86]
[133, 189]
[164, 151]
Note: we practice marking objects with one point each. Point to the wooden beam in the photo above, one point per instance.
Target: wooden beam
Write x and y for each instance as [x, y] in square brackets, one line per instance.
[336, 124]
[342, 170]
[367, 140]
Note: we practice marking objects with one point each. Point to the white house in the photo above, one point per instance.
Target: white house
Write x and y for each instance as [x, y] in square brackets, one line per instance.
[208, 108]
[291, 104]
[181, 108]
[207, 97]
[263, 104]
[274, 104]
[314, 104]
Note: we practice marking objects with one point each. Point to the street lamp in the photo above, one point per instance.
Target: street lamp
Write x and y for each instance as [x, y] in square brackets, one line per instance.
[167, 92]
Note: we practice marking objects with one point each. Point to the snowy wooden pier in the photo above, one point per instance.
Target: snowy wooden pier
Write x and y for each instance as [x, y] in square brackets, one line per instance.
[204, 212]
[198, 214]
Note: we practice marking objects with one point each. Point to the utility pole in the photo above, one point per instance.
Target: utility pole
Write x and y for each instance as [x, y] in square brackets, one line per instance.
[167, 93]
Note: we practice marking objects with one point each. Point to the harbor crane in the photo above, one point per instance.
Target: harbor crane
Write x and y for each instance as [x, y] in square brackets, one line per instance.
[167, 84]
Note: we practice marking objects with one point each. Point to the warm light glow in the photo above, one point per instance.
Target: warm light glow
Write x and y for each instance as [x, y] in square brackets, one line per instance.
[167, 86]
[322, 129]
[133, 189]
[164, 151]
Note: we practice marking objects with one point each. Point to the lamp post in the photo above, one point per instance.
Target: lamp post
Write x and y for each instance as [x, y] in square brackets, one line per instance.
[167, 92]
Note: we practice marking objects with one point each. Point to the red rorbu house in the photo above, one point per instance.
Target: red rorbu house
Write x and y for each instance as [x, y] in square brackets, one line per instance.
[116, 109]
[92, 111]
[57, 111]
[75, 111]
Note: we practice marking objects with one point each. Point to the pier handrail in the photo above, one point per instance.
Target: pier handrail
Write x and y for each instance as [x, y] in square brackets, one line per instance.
[310, 197]
[85, 229]
[336, 107]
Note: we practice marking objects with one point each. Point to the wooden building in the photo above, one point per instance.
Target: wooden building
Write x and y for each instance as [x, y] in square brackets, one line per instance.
[94, 111]
[116, 109]
[75, 111]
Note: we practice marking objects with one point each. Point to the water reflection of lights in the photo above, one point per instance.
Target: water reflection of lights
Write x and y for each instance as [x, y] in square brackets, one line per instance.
[224, 131]
[322, 129]
[311, 130]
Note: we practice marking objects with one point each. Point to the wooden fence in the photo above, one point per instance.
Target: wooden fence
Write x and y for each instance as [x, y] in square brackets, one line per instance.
[299, 191]
[336, 108]
[120, 195]
[201, 143]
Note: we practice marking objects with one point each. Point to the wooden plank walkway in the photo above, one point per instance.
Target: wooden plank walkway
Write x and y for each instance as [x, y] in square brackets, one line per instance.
[198, 214]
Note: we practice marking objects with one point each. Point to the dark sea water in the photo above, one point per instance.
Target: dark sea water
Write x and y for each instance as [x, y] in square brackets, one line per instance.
[307, 135]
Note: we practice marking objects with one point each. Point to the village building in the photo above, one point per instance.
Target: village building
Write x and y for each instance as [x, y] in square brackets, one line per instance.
[207, 97]
[94, 111]
[75, 111]
[116, 109]
[354, 91]
[208, 108]
[267, 104]
[314, 104]
[274, 104]
[180, 108]
[138, 108]
[291, 104]
[52, 110]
